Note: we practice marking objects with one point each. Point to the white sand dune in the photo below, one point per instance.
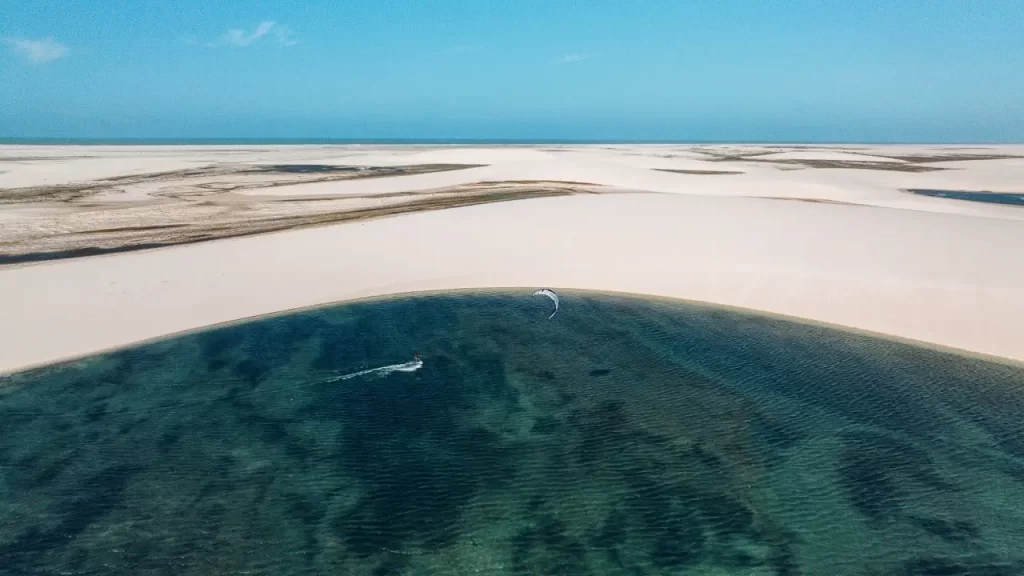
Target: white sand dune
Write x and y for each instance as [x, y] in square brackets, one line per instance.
[831, 155]
[421, 154]
[880, 188]
[66, 171]
[929, 269]
[651, 159]
[509, 155]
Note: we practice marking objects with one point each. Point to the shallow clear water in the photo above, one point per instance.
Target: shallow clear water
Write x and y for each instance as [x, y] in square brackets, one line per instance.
[987, 197]
[623, 436]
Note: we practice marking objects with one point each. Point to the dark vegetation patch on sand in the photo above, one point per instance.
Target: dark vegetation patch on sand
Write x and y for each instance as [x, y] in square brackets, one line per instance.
[65, 193]
[7, 259]
[927, 159]
[855, 165]
[132, 229]
[834, 164]
[235, 221]
[556, 182]
[907, 162]
[811, 200]
[199, 204]
[305, 168]
[734, 156]
[793, 163]
[200, 181]
[700, 172]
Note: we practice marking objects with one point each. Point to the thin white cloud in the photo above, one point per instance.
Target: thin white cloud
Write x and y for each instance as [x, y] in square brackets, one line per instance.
[284, 36]
[573, 58]
[38, 51]
[239, 38]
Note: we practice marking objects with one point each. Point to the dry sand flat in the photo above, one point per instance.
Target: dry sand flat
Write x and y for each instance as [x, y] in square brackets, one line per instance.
[858, 252]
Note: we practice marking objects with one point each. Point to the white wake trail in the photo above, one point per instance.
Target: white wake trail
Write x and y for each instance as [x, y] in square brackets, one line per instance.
[381, 371]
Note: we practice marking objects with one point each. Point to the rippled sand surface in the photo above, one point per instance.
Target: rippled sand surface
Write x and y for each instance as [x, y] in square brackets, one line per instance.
[623, 436]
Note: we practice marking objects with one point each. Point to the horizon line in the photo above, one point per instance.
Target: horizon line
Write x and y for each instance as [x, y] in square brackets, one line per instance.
[147, 140]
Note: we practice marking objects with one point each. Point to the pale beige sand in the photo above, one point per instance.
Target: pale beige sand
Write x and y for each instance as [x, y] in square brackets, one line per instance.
[940, 271]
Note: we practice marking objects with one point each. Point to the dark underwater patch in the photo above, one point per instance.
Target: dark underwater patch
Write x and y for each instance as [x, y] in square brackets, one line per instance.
[970, 566]
[86, 503]
[952, 531]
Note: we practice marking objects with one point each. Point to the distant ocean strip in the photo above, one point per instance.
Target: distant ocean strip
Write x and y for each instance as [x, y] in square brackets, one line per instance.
[380, 141]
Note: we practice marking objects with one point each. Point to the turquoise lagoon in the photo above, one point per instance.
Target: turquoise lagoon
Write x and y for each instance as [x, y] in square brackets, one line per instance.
[624, 437]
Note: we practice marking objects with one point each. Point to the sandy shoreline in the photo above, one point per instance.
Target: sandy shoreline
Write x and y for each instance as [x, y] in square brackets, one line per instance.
[861, 253]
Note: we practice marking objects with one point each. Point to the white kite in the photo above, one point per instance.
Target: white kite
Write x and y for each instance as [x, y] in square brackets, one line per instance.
[550, 294]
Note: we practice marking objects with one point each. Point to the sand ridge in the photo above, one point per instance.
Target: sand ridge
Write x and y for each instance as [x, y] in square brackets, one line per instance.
[857, 251]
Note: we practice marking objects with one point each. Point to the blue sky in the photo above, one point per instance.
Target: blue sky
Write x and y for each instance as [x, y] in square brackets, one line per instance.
[795, 70]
